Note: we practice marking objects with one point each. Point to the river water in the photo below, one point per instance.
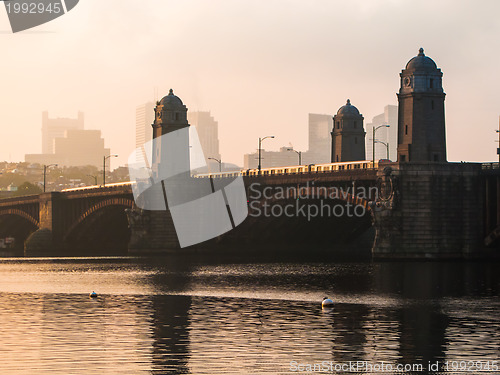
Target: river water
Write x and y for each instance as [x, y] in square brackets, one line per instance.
[177, 315]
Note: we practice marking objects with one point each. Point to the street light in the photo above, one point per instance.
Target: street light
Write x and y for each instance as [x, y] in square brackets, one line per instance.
[498, 148]
[260, 150]
[373, 140]
[386, 144]
[104, 168]
[298, 153]
[45, 167]
[218, 161]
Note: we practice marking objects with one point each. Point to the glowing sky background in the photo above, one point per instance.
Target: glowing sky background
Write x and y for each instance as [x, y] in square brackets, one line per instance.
[259, 66]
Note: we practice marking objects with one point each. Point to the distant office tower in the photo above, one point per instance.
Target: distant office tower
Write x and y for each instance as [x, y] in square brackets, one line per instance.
[76, 148]
[269, 159]
[208, 132]
[81, 147]
[144, 117]
[66, 143]
[348, 135]
[383, 134]
[320, 139]
[56, 127]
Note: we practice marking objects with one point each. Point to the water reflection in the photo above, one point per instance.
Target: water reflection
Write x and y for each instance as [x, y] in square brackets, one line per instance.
[178, 315]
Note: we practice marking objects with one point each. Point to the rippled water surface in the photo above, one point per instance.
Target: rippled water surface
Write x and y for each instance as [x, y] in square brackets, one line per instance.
[180, 315]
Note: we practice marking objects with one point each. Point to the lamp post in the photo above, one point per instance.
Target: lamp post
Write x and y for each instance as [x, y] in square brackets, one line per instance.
[498, 148]
[218, 161]
[373, 139]
[260, 150]
[45, 167]
[298, 153]
[386, 144]
[104, 168]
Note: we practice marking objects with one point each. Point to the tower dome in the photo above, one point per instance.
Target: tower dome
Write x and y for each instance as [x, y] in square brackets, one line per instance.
[421, 123]
[348, 109]
[171, 100]
[170, 114]
[421, 62]
[348, 135]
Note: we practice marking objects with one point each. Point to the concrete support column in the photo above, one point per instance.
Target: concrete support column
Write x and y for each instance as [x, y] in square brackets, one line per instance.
[47, 239]
[151, 232]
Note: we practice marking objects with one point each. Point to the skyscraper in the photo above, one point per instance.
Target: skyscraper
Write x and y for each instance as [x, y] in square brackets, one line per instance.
[53, 128]
[144, 117]
[384, 134]
[208, 132]
[66, 143]
[74, 149]
[320, 140]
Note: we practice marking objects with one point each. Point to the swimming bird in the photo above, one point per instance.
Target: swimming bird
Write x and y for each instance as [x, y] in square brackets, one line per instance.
[327, 302]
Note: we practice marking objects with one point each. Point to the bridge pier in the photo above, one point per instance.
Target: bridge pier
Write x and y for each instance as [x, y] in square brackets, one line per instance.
[428, 210]
[46, 240]
[151, 232]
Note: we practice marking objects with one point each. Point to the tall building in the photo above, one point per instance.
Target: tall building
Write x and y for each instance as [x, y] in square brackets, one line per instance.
[421, 125]
[76, 148]
[208, 132]
[387, 135]
[66, 143]
[144, 117]
[53, 128]
[348, 135]
[270, 159]
[320, 128]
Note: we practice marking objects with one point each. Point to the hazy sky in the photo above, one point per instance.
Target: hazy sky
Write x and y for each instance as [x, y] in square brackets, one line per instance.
[259, 66]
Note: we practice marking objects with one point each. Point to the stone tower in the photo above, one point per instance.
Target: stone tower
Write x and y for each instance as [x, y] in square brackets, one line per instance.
[171, 152]
[421, 129]
[348, 135]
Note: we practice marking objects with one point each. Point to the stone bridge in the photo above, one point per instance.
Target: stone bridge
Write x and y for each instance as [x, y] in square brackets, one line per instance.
[418, 210]
[75, 222]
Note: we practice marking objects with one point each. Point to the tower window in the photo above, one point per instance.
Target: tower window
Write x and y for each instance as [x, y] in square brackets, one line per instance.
[338, 124]
[436, 157]
[431, 83]
[406, 129]
[337, 158]
[176, 116]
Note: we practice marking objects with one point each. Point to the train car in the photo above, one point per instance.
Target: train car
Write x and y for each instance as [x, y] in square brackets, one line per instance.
[295, 169]
[116, 184]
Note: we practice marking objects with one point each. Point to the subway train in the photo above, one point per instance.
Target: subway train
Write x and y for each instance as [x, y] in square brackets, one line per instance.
[294, 169]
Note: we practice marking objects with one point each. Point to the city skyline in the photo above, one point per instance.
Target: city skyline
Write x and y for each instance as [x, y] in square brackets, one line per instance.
[264, 77]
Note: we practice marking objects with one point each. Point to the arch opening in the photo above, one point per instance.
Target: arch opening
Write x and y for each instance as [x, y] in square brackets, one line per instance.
[103, 231]
[17, 227]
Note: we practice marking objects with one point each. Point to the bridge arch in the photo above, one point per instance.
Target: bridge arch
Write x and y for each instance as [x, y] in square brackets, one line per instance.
[17, 224]
[21, 213]
[103, 226]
